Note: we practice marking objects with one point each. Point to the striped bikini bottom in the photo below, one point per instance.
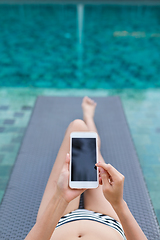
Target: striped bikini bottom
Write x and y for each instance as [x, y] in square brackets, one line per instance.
[84, 214]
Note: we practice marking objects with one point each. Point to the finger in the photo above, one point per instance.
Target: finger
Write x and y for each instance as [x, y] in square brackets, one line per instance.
[104, 176]
[110, 169]
[103, 171]
[108, 177]
[100, 180]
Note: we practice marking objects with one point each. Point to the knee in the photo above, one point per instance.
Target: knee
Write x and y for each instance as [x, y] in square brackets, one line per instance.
[78, 125]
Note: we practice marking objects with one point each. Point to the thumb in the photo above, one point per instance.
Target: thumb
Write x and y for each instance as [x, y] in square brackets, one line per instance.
[66, 163]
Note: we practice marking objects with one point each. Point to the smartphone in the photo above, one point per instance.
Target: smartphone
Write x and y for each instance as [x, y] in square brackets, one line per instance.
[83, 157]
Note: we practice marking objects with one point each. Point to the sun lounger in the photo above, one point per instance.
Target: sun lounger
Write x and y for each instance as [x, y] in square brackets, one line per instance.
[40, 145]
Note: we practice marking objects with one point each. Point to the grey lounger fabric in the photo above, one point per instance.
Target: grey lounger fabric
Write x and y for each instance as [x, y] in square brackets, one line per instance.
[40, 145]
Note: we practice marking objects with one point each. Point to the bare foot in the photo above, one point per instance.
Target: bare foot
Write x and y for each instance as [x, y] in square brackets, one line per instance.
[88, 107]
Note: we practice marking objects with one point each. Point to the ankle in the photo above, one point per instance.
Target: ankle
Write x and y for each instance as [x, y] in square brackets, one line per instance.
[88, 118]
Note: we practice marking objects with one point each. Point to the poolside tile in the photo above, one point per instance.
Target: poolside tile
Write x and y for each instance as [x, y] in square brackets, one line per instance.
[158, 130]
[15, 129]
[9, 121]
[158, 214]
[7, 148]
[17, 139]
[4, 108]
[26, 108]
[1, 157]
[9, 159]
[1, 195]
[155, 196]
[4, 173]
[2, 129]
[18, 114]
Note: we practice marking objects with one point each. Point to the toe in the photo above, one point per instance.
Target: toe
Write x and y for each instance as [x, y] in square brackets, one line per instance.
[89, 100]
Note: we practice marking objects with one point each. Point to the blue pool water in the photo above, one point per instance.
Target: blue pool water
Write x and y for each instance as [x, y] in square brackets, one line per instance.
[76, 46]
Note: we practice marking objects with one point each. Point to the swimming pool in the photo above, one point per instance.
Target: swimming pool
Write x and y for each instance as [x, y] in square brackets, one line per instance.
[76, 50]
[80, 46]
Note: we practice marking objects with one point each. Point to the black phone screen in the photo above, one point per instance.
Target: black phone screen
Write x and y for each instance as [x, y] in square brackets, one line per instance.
[83, 159]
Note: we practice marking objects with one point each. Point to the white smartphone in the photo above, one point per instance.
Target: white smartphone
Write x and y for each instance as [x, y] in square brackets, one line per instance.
[83, 157]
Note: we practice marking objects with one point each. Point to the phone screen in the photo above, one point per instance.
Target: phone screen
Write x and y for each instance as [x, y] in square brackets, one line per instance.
[83, 159]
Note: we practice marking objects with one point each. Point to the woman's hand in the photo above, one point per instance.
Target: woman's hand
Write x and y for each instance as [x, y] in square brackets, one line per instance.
[63, 183]
[112, 183]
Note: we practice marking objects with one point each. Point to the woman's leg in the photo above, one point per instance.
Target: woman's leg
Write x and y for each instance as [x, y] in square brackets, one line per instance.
[94, 199]
[76, 125]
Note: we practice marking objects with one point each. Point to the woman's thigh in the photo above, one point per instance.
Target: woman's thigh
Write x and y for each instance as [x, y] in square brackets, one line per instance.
[94, 200]
[76, 125]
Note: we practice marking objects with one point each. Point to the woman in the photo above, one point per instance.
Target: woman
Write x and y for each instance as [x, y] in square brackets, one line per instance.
[106, 213]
